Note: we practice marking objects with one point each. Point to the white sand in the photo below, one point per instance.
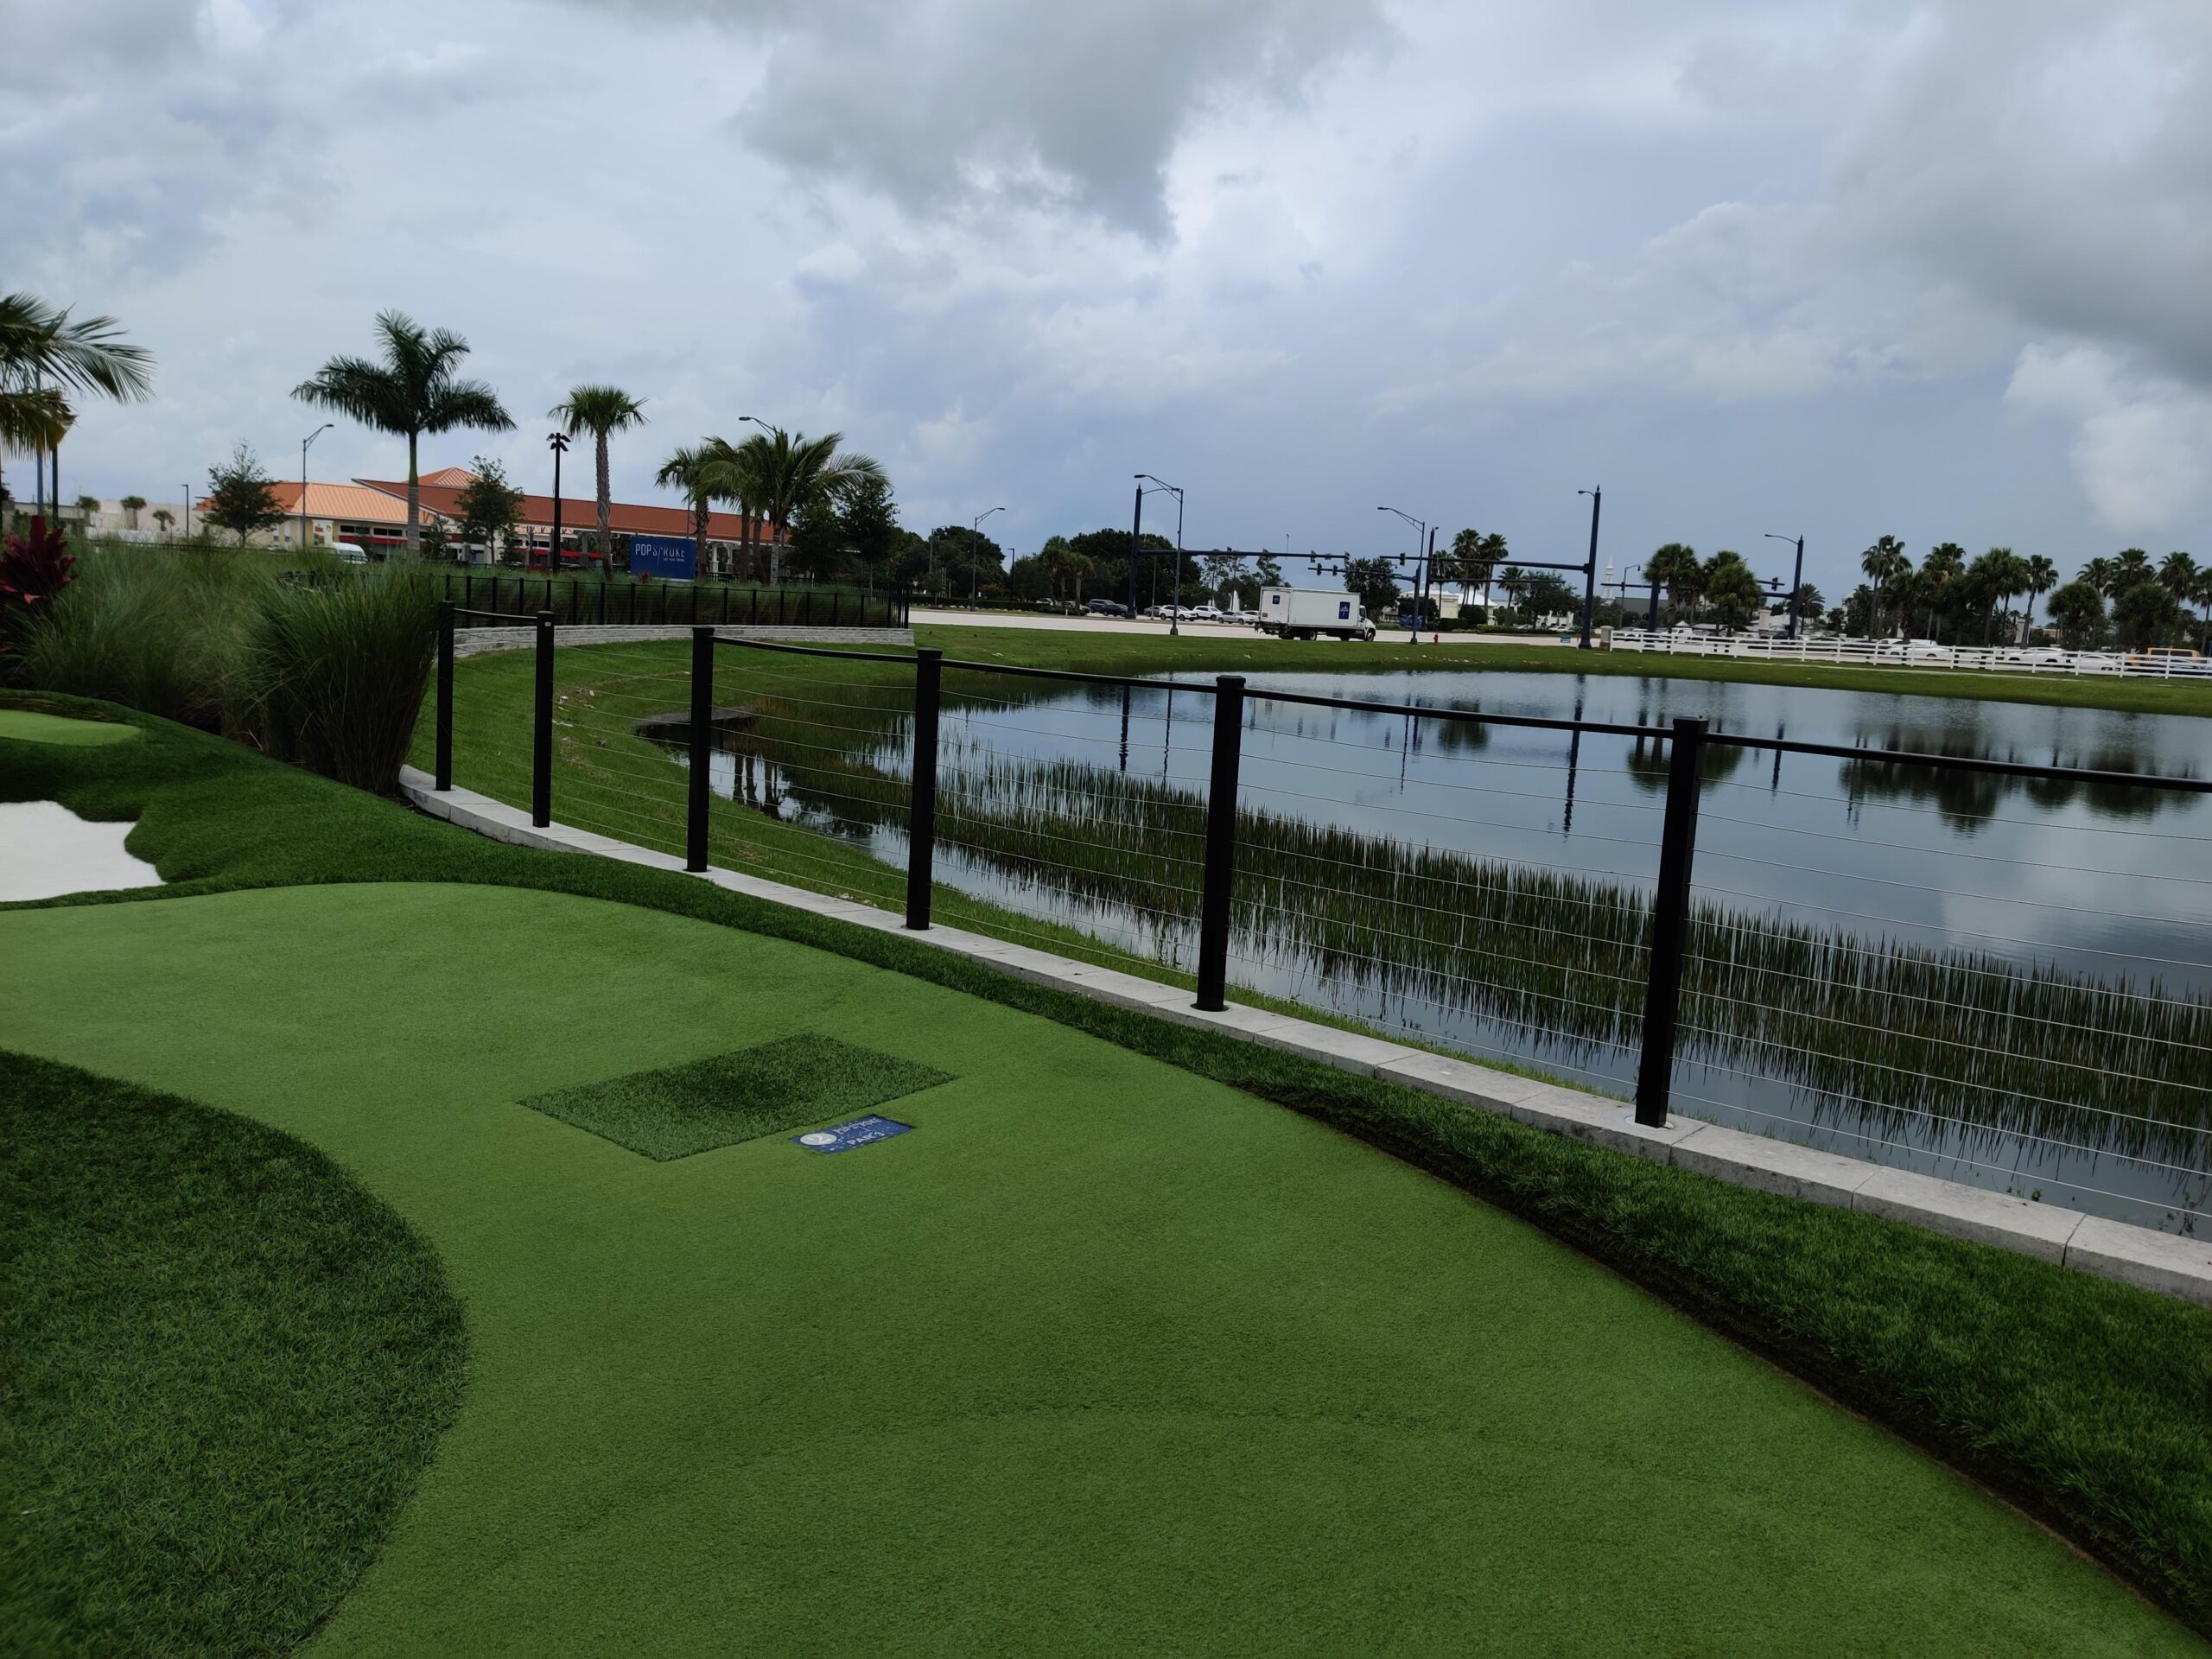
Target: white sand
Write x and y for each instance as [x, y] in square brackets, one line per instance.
[46, 851]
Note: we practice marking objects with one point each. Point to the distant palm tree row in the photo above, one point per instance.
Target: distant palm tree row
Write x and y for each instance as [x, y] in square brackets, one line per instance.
[1968, 600]
[412, 386]
[771, 478]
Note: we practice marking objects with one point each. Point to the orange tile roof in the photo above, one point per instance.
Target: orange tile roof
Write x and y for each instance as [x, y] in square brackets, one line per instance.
[349, 503]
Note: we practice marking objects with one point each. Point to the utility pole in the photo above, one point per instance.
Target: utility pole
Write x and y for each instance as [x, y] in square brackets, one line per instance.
[1590, 570]
[1796, 581]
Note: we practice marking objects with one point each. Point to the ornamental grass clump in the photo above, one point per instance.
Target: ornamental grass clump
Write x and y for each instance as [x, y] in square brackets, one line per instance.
[157, 632]
[333, 672]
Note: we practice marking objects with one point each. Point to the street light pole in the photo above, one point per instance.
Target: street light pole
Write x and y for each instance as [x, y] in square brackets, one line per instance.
[1421, 540]
[558, 443]
[304, 442]
[1797, 580]
[1175, 605]
[1590, 570]
[1136, 537]
[975, 552]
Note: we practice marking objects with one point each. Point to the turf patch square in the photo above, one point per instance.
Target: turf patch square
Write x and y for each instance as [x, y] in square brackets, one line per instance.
[677, 1111]
[843, 1137]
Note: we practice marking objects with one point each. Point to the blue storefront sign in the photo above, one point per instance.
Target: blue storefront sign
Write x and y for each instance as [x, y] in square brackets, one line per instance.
[675, 557]
[843, 1137]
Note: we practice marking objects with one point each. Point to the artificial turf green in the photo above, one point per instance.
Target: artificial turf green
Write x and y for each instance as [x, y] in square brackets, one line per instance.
[2083, 1400]
[673, 1111]
[30, 726]
[227, 1367]
[1114, 1358]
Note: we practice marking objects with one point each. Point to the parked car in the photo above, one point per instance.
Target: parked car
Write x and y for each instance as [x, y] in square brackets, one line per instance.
[2157, 655]
[351, 552]
[1106, 607]
[2038, 657]
[1204, 613]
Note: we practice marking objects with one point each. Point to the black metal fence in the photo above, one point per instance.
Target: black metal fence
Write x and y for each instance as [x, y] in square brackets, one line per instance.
[583, 601]
[1650, 972]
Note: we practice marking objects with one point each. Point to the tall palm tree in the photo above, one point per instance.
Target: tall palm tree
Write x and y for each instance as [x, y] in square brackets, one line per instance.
[2200, 594]
[1676, 569]
[411, 390]
[738, 481]
[790, 472]
[1474, 558]
[2177, 576]
[2098, 573]
[598, 410]
[44, 356]
[695, 469]
[2040, 575]
[1885, 563]
[2131, 568]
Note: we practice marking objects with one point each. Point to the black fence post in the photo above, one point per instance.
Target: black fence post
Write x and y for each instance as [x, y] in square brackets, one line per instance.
[444, 762]
[703, 749]
[1670, 920]
[1221, 844]
[921, 796]
[541, 748]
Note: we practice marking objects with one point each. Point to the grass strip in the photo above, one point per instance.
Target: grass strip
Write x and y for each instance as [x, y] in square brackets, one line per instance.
[1106, 652]
[2082, 1399]
[674, 1111]
[228, 1365]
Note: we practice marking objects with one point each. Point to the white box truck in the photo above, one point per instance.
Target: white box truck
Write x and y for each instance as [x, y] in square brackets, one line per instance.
[1309, 614]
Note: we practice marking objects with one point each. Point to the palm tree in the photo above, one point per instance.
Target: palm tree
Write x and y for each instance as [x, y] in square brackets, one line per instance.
[2131, 569]
[1732, 590]
[39, 344]
[696, 470]
[411, 390]
[2200, 594]
[2177, 575]
[2098, 573]
[132, 505]
[164, 518]
[1885, 565]
[2040, 575]
[1474, 560]
[600, 411]
[790, 472]
[738, 481]
[1991, 580]
[1676, 569]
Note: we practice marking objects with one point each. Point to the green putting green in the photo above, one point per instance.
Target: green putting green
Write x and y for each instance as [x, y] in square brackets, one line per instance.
[29, 726]
[1104, 1357]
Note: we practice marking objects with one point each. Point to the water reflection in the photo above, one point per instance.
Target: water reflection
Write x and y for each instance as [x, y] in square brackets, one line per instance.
[1992, 978]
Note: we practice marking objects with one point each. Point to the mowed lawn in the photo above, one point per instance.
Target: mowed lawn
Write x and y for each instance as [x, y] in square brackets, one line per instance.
[1103, 1357]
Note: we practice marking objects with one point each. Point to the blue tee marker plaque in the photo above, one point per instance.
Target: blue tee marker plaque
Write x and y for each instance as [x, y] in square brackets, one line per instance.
[843, 1137]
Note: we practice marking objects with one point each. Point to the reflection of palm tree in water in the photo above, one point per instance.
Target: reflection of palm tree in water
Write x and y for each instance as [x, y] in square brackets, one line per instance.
[1967, 800]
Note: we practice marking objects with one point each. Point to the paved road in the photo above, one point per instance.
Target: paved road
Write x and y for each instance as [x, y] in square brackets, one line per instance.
[922, 618]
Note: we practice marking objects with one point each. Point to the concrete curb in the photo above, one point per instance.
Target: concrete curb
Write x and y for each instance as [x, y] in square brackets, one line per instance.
[475, 642]
[2165, 1262]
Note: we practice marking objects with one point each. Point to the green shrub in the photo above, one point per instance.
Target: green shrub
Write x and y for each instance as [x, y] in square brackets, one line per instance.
[315, 664]
[157, 630]
[333, 672]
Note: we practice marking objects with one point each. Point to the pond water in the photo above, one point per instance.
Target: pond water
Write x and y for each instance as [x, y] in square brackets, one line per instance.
[2060, 935]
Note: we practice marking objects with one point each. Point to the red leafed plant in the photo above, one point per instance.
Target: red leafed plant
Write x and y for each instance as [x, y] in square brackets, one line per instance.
[35, 566]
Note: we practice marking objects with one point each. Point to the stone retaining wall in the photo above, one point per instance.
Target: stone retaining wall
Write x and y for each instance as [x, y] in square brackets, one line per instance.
[475, 642]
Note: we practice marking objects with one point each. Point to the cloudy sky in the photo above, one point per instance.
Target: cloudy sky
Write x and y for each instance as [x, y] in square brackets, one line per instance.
[1941, 270]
